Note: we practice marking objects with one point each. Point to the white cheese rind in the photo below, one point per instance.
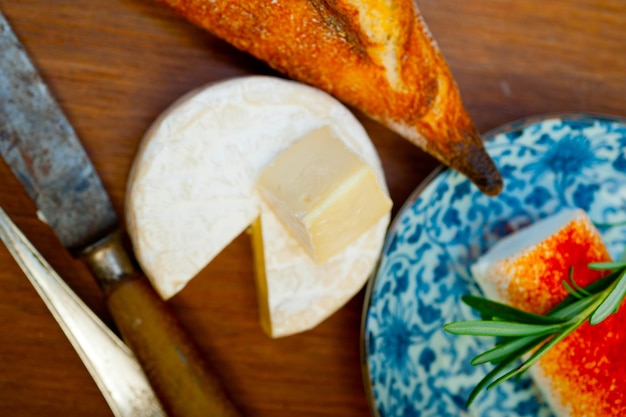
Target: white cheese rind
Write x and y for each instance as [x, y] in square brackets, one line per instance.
[301, 292]
[191, 189]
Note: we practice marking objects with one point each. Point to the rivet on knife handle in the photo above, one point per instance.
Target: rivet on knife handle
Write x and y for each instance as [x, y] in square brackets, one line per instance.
[173, 364]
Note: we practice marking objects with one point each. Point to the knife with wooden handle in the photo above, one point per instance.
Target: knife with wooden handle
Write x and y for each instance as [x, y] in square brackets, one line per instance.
[109, 361]
[43, 151]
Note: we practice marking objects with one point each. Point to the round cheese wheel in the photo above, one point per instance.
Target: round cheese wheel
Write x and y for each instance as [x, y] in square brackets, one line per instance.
[192, 190]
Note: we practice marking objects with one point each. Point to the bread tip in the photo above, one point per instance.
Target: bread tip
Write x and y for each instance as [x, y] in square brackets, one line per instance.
[490, 184]
[476, 163]
[467, 155]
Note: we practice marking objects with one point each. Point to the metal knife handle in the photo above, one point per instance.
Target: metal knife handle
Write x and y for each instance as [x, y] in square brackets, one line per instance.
[182, 380]
[111, 364]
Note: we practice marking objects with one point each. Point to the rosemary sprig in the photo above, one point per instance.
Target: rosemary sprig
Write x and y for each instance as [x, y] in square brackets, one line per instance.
[527, 336]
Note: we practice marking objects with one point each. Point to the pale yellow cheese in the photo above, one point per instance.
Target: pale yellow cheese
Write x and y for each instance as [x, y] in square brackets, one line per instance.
[323, 193]
[193, 189]
[295, 293]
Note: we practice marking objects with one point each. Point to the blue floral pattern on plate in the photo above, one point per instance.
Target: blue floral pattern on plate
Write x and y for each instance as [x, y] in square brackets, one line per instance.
[412, 367]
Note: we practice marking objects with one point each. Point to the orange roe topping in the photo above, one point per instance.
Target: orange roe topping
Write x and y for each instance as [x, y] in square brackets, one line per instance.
[538, 274]
[586, 369]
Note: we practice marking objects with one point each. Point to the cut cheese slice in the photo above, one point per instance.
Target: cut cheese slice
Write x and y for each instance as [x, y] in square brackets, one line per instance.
[295, 292]
[527, 268]
[323, 193]
[192, 187]
[580, 376]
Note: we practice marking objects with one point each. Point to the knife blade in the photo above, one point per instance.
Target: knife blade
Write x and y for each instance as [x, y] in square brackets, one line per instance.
[43, 151]
[34, 136]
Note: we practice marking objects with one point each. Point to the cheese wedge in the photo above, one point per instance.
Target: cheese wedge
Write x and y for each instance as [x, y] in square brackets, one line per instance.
[377, 56]
[582, 375]
[323, 193]
[193, 188]
[295, 292]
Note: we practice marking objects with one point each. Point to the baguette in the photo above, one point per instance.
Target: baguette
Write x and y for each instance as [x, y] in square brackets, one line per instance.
[376, 56]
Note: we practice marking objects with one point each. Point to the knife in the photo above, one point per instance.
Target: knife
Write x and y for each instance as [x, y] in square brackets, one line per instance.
[109, 361]
[43, 151]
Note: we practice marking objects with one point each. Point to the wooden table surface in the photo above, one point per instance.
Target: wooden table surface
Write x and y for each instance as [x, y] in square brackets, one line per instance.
[116, 64]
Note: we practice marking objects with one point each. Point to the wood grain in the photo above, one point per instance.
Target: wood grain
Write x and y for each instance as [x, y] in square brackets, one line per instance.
[115, 65]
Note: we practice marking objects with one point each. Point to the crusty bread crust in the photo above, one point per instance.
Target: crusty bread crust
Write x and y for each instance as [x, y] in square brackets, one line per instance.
[375, 55]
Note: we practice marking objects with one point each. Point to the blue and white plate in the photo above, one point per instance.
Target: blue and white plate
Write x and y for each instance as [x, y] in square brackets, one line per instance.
[411, 366]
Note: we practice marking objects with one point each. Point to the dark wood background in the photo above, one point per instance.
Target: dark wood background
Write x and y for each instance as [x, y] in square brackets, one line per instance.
[116, 64]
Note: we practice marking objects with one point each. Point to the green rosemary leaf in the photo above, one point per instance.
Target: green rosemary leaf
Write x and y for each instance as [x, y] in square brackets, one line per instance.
[603, 283]
[593, 289]
[537, 354]
[605, 225]
[500, 328]
[515, 347]
[490, 376]
[612, 301]
[490, 308]
[573, 309]
[578, 288]
[608, 265]
[571, 290]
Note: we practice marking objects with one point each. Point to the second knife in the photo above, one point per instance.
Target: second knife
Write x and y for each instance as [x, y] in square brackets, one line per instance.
[43, 151]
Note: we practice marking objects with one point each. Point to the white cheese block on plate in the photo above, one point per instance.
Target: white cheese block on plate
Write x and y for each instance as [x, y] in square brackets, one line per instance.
[579, 376]
[192, 187]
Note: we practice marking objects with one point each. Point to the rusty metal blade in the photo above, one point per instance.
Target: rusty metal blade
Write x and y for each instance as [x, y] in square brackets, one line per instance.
[43, 151]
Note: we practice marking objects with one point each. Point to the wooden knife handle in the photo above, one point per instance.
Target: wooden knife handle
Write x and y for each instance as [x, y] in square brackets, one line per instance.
[176, 370]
